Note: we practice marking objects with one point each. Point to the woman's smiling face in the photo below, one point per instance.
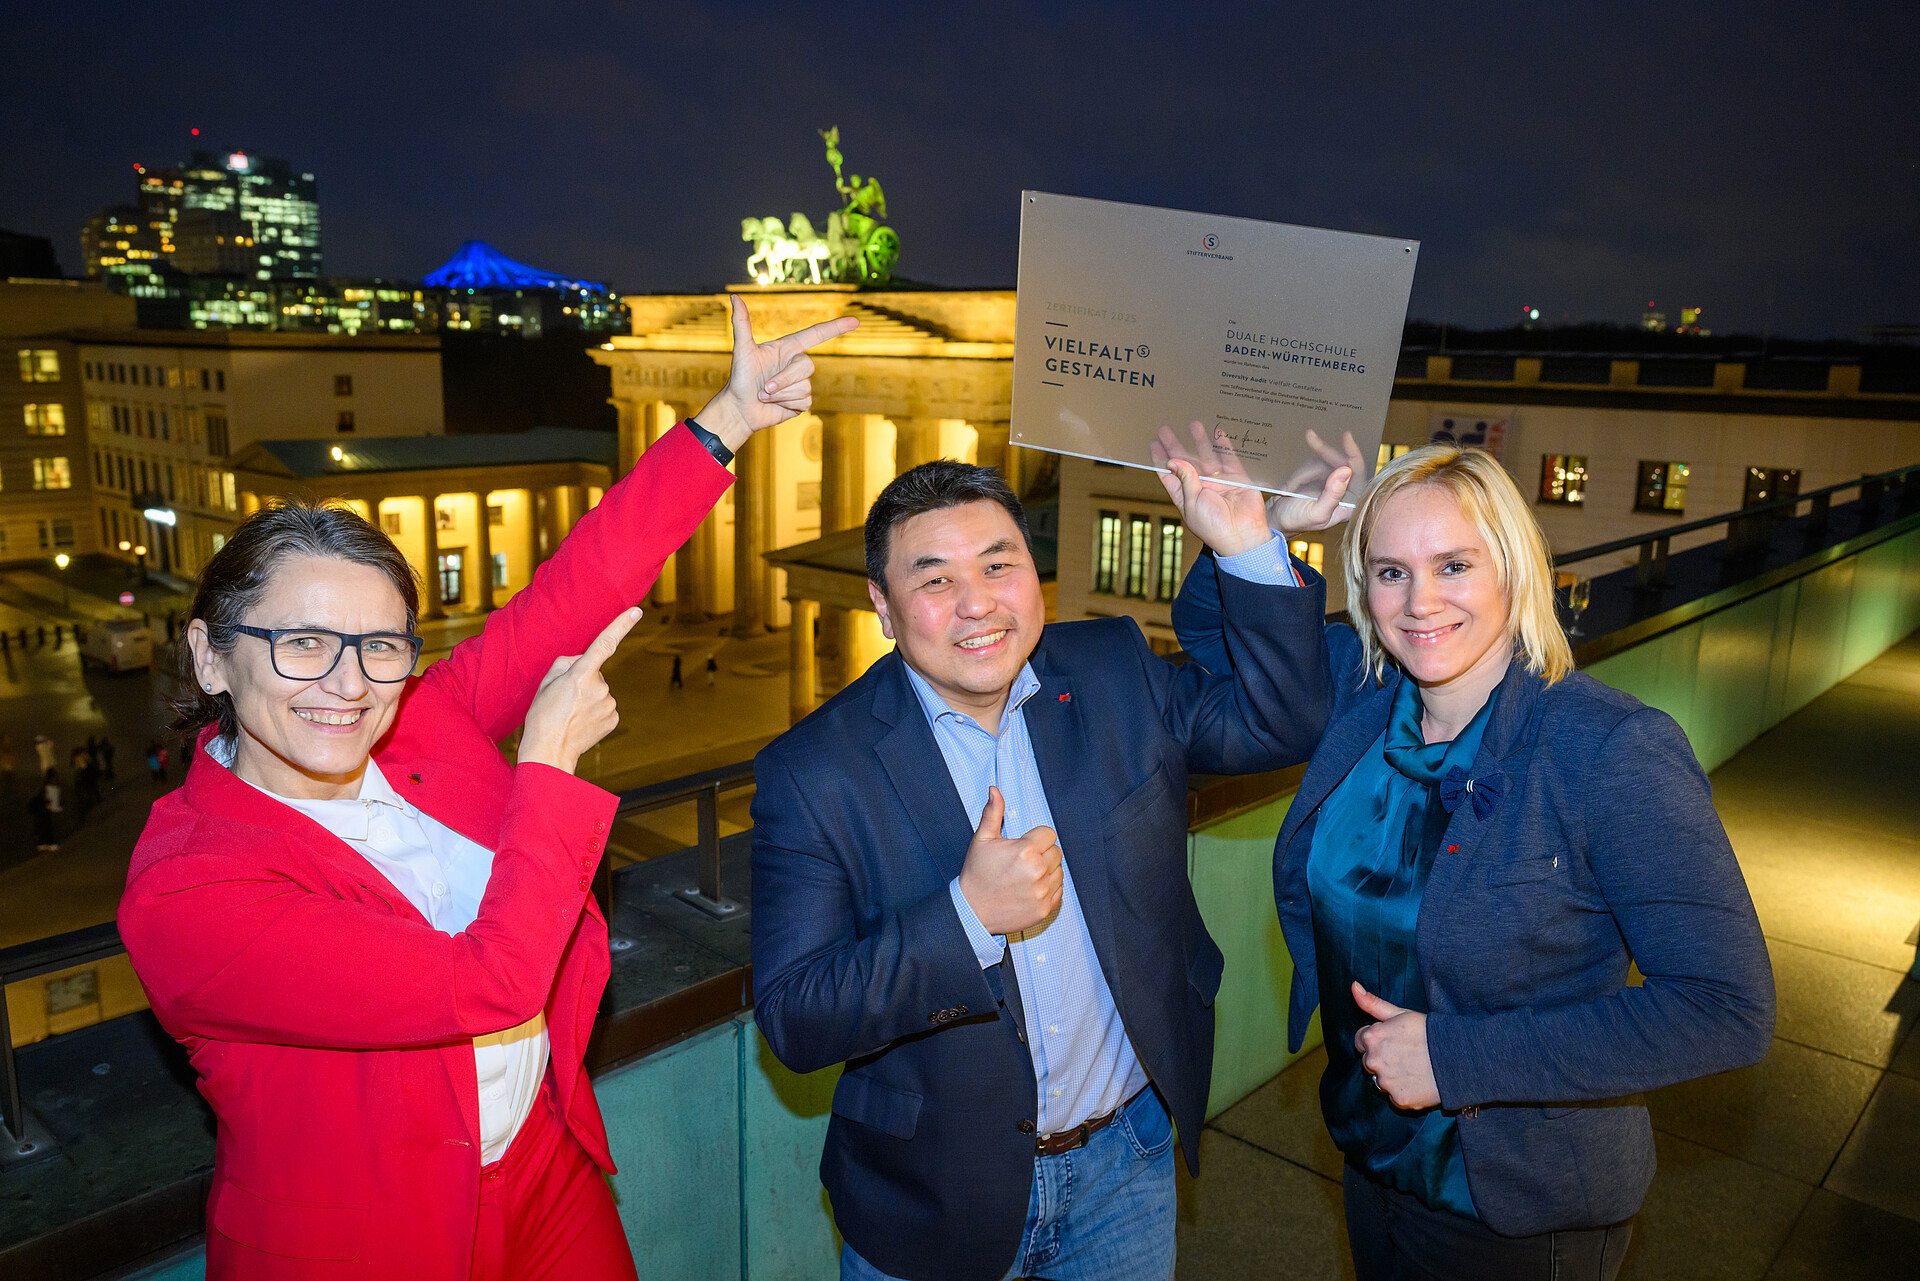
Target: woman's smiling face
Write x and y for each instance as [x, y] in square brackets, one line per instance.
[307, 739]
[1433, 589]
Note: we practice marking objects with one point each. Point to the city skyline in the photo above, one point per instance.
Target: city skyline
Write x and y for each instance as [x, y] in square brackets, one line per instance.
[1582, 164]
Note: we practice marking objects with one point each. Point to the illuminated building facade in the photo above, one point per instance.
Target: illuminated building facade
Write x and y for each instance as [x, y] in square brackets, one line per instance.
[166, 411]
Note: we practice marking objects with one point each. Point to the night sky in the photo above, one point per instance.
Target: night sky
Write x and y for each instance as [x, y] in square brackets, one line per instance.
[1759, 160]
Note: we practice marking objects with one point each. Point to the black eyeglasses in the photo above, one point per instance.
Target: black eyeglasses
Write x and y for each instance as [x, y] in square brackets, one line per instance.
[311, 653]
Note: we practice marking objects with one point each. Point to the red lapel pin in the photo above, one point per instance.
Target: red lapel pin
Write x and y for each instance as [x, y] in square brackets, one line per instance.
[1451, 849]
[1065, 697]
[413, 778]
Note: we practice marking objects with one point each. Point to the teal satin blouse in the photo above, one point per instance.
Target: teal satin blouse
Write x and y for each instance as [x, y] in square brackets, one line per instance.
[1373, 847]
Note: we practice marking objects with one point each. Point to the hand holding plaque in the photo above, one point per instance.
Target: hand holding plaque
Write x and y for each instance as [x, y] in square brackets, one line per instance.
[1206, 481]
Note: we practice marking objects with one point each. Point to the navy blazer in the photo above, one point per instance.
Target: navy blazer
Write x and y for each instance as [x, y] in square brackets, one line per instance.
[860, 958]
[1600, 849]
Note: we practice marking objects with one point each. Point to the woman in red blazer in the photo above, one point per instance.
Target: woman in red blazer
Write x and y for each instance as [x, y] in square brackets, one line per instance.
[338, 1034]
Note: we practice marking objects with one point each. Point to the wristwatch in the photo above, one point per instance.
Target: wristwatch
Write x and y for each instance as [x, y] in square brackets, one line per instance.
[713, 444]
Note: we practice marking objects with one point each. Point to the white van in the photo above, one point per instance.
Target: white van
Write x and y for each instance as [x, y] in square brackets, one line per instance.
[118, 644]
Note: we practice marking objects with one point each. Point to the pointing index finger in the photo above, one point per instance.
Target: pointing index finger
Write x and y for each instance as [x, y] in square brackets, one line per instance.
[793, 344]
[609, 639]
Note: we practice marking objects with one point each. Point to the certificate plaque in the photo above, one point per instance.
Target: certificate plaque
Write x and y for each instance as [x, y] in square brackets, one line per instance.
[1131, 318]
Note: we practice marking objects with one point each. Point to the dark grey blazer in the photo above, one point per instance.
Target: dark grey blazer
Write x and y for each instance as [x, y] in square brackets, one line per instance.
[1593, 844]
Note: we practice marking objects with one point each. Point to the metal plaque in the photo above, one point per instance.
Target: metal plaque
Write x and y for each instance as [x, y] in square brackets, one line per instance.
[1131, 319]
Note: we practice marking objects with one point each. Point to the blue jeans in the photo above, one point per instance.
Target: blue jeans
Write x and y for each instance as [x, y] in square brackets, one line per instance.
[1104, 1212]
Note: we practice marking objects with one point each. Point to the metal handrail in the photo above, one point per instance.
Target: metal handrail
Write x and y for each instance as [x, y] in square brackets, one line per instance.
[1711, 522]
[26, 961]
[704, 790]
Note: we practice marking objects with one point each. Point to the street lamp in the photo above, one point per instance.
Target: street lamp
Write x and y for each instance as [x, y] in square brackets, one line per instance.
[66, 596]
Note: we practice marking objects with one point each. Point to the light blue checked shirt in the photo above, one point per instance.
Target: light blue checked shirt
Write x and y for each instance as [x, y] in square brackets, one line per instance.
[1083, 1064]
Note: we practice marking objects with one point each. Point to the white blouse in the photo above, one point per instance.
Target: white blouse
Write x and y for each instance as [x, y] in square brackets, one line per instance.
[444, 875]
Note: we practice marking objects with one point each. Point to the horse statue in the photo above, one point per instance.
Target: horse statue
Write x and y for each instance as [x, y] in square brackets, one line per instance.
[810, 246]
[773, 250]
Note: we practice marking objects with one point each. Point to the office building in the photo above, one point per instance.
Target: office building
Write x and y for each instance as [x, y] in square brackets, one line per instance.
[167, 410]
[46, 494]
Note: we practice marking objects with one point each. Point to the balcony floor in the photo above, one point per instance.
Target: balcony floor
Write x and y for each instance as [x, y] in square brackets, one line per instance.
[1801, 1166]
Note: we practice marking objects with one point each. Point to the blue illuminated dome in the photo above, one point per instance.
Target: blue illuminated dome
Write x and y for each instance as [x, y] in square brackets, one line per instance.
[478, 265]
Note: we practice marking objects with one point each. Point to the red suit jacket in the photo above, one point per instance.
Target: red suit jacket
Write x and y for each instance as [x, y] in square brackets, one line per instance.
[331, 1026]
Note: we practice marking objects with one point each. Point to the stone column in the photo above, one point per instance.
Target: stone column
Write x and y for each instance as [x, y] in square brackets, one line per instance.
[689, 603]
[752, 517]
[483, 553]
[995, 451]
[431, 554]
[801, 689]
[843, 453]
[915, 441]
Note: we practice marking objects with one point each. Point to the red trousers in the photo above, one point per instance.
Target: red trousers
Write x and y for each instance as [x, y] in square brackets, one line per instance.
[545, 1210]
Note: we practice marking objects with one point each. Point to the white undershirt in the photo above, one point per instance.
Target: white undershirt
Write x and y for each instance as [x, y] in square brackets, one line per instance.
[444, 875]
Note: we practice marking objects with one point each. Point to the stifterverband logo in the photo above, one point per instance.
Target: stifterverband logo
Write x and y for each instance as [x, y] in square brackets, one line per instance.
[1210, 248]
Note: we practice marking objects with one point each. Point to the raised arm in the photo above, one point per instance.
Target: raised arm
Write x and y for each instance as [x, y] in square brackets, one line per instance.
[615, 553]
[231, 948]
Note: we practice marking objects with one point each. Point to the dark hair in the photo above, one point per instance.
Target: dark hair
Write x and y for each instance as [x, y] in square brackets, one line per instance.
[932, 487]
[237, 576]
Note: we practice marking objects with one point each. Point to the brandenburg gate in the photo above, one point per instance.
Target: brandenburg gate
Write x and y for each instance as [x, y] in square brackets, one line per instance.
[928, 374]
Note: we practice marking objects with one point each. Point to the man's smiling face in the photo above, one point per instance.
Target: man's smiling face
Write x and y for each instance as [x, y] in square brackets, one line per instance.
[962, 603]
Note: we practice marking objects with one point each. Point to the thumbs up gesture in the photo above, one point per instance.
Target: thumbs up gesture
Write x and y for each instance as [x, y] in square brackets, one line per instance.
[573, 708]
[1394, 1052]
[1012, 884]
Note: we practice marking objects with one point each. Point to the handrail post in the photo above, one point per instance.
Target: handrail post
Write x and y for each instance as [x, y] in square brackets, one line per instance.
[707, 896]
[1870, 491]
[12, 1112]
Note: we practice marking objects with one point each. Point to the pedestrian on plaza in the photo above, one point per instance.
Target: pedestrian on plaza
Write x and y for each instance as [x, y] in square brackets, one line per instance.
[42, 822]
[57, 629]
[86, 792]
[6, 643]
[153, 762]
[43, 749]
[674, 681]
[40, 636]
[713, 669]
[8, 761]
[106, 758]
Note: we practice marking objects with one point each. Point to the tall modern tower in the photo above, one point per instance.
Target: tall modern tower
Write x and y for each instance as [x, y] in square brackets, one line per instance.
[277, 207]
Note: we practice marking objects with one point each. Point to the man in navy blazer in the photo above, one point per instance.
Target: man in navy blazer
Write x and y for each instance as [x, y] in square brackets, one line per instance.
[970, 887]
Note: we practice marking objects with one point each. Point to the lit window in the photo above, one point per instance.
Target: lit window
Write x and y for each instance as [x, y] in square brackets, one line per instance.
[229, 492]
[1313, 554]
[499, 569]
[496, 514]
[52, 473]
[1106, 561]
[443, 518]
[45, 420]
[1139, 555]
[1662, 487]
[390, 522]
[56, 533]
[1563, 479]
[39, 365]
[1172, 544]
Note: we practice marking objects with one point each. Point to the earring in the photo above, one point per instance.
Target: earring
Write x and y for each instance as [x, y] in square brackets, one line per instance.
[209, 689]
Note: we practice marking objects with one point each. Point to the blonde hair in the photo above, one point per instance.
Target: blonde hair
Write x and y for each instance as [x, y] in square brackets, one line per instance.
[1492, 504]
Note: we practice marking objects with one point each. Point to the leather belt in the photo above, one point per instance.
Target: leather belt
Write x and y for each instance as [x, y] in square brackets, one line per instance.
[1069, 1140]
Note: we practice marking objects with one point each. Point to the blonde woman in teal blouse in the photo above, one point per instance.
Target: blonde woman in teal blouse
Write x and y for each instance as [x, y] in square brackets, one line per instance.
[1483, 843]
